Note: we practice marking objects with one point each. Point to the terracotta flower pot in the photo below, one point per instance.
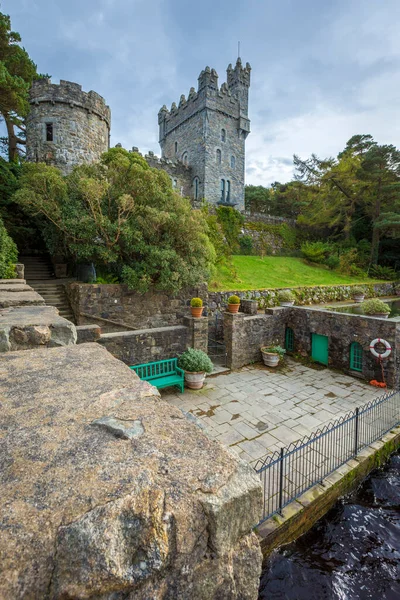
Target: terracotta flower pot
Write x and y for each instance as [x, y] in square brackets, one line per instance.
[270, 359]
[194, 381]
[233, 308]
[358, 298]
[197, 311]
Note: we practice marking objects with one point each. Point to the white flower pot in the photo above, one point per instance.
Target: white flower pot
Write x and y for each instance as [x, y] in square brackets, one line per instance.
[194, 381]
[287, 303]
[270, 359]
[358, 298]
[380, 315]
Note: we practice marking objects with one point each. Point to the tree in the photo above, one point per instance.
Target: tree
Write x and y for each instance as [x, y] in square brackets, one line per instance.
[124, 215]
[17, 71]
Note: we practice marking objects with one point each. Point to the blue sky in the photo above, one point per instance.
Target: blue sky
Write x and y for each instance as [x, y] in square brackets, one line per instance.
[321, 71]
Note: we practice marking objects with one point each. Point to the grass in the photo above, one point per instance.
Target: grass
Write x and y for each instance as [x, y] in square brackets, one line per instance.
[255, 273]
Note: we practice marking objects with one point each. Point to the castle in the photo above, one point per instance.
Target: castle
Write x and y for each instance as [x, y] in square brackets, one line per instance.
[202, 139]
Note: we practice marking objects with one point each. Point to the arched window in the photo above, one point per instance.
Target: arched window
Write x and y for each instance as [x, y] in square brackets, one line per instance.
[218, 156]
[223, 135]
[176, 147]
[228, 191]
[356, 356]
[222, 190]
[289, 339]
[185, 158]
[196, 188]
[233, 162]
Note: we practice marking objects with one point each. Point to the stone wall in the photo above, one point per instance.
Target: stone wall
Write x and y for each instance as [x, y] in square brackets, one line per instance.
[128, 309]
[109, 492]
[343, 329]
[80, 124]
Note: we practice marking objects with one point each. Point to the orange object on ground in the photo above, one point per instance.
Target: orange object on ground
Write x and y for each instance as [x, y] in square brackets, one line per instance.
[376, 383]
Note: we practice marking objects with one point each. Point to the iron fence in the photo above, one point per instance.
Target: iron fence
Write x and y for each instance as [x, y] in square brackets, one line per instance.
[288, 473]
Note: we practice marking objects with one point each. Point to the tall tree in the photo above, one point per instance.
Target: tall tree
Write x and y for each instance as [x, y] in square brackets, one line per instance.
[17, 71]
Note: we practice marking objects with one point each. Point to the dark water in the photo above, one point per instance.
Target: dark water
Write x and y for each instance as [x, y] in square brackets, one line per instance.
[356, 309]
[351, 554]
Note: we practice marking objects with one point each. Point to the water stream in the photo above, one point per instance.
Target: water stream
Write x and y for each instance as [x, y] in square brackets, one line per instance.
[353, 553]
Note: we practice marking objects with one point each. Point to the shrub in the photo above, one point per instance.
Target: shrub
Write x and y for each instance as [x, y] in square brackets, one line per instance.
[274, 350]
[195, 361]
[233, 300]
[374, 306]
[316, 252]
[107, 279]
[196, 302]
[358, 290]
[246, 245]
[286, 296]
[8, 254]
[332, 262]
[380, 272]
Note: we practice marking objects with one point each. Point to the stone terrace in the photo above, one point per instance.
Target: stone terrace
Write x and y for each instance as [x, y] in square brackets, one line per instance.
[256, 410]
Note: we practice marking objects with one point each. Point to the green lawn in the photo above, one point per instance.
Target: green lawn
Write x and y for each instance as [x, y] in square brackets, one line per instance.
[255, 273]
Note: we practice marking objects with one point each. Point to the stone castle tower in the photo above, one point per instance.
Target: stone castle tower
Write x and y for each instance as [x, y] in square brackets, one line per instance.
[66, 126]
[207, 132]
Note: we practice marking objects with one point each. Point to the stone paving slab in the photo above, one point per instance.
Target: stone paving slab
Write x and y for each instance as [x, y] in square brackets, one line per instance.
[257, 410]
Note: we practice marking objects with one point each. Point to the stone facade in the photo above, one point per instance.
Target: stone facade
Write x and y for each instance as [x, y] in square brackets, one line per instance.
[207, 131]
[66, 126]
[109, 492]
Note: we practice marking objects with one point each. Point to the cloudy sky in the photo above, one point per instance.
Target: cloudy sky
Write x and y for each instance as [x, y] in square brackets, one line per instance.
[321, 70]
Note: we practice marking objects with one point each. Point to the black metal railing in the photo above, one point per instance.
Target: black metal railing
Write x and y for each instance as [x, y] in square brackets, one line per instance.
[288, 473]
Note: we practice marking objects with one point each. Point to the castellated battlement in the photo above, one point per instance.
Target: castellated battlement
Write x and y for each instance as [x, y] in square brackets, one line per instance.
[70, 93]
[158, 161]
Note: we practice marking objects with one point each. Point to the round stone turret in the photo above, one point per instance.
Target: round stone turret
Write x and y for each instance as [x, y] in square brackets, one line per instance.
[66, 126]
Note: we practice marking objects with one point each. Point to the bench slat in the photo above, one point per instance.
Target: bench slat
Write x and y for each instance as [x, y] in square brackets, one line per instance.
[162, 373]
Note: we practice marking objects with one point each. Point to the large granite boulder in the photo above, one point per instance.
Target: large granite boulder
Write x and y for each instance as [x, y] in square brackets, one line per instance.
[109, 493]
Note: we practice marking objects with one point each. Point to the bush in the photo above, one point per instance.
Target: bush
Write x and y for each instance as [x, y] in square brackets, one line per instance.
[358, 290]
[233, 300]
[374, 306]
[8, 254]
[332, 262]
[196, 302]
[246, 245]
[316, 252]
[286, 296]
[195, 361]
[274, 350]
[380, 272]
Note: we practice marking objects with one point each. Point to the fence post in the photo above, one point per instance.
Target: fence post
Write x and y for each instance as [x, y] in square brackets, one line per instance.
[281, 482]
[356, 433]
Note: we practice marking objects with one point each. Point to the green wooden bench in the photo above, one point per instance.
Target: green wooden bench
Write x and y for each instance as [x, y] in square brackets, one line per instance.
[162, 374]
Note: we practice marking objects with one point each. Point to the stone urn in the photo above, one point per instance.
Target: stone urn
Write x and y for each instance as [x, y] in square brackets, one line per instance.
[197, 311]
[270, 359]
[358, 298]
[194, 381]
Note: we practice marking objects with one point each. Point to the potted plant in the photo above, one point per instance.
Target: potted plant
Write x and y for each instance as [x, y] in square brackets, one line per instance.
[286, 298]
[358, 293]
[272, 355]
[233, 304]
[376, 308]
[196, 306]
[196, 364]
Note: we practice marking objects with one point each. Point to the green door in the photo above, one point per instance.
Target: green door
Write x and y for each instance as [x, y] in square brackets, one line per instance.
[319, 348]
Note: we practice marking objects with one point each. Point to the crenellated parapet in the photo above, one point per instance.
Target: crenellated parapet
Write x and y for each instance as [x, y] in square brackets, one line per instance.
[71, 94]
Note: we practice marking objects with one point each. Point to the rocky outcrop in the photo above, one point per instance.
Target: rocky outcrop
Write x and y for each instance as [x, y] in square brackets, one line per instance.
[109, 493]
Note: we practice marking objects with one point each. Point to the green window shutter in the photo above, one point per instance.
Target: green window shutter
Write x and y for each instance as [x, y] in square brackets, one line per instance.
[356, 356]
[289, 339]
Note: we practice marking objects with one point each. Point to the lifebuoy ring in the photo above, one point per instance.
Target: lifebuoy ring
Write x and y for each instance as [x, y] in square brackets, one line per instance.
[380, 341]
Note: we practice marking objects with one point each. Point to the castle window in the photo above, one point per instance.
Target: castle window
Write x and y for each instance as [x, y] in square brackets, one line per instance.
[228, 191]
[356, 357]
[222, 190]
[218, 157]
[223, 135]
[233, 162]
[49, 132]
[185, 158]
[196, 188]
[176, 147]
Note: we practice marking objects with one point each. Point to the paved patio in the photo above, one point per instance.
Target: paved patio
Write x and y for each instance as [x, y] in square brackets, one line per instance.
[256, 410]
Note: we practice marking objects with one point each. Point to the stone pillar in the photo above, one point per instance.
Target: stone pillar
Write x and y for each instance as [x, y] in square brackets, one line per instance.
[198, 332]
[233, 337]
[249, 307]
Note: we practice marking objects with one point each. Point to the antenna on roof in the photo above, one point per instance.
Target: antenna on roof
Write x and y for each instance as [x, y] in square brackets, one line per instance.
[238, 49]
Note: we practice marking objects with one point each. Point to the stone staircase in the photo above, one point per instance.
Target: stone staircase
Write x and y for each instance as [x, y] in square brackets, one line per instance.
[40, 276]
